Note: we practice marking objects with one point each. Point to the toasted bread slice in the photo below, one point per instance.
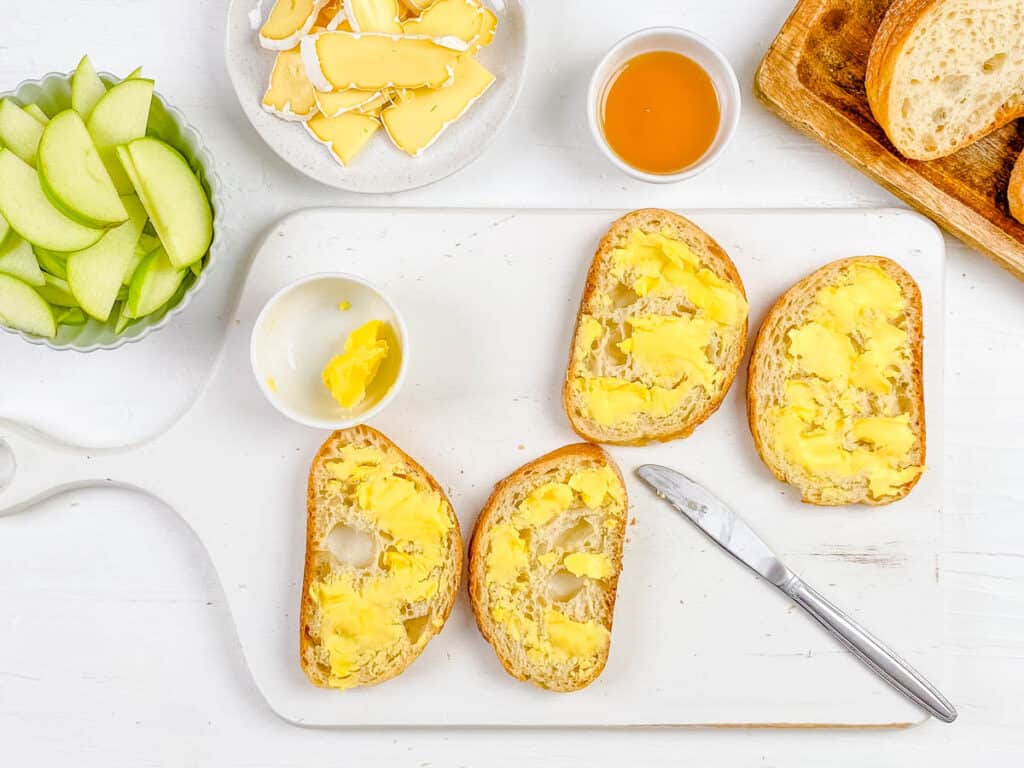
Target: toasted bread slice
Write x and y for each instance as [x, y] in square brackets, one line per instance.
[1015, 190]
[835, 395]
[944, 73]
[544, 565]
[383, 561]
[660, 332]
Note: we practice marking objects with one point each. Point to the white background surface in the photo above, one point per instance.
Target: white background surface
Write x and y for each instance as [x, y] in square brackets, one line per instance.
[125, 655]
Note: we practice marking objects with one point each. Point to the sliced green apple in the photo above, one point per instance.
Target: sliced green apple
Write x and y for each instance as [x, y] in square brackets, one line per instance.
[5, 230]
[173, 197]
[24, 309]
[134, 74]
[52, 262]
[17, 260]
[19, 131]
[122, 321]
[96, 273]
[146, 245]
[37, 113]
[56, 291]
[153, 285]
[73, 176]
[30, 213]
[86, 88]
[118, 117]
[71, 316]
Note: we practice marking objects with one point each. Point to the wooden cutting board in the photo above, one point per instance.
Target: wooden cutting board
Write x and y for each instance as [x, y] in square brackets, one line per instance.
[813, 78]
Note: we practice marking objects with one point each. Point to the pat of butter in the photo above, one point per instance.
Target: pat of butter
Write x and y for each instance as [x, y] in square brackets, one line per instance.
[373, 61]
[344, 135]
[575, 638]
[832, 421]
[671, 350]
[416, 123]
[611, 401]
[349, 374]
[290, 95]
[588, 565]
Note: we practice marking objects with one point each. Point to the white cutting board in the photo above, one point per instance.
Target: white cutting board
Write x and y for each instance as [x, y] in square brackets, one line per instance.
[490, 298]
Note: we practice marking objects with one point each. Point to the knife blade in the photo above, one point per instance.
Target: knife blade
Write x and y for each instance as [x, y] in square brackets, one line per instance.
[731, 532]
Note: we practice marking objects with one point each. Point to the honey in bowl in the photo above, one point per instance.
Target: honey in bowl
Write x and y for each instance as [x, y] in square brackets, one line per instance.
[660, 112]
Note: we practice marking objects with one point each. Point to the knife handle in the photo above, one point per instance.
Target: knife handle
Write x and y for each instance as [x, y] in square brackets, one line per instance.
[871, 651]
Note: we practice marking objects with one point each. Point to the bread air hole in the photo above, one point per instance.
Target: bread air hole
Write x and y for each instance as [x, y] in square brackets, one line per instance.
[562, 586]
[994, 64]
[574, 538]
[622, 296]
[414, 627]
[351, 546]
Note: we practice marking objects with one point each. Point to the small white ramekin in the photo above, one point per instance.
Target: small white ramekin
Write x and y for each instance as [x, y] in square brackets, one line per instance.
[301, 328]
[678, 41]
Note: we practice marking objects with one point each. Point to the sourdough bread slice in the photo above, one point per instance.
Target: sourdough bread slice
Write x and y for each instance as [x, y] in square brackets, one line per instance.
[835, 393]
[544, 566]
[944, 73]
[383, 561]
[660, 332]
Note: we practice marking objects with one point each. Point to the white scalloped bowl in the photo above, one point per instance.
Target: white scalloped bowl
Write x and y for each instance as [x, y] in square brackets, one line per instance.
[53, 93]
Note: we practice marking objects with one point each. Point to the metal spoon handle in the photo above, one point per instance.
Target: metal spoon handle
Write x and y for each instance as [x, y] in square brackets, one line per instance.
[871, 651]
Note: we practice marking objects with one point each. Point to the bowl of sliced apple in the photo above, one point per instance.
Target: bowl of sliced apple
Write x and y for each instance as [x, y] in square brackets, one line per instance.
[109, 210]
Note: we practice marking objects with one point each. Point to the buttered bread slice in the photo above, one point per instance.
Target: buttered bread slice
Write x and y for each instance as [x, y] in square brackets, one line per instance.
[835, 394]
[544, 565]
[660, 333]
[383, 561]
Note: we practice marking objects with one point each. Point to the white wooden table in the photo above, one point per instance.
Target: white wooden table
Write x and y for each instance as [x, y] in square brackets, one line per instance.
[115, 646]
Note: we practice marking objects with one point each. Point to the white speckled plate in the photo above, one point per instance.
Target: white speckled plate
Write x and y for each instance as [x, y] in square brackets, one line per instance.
[380, 167]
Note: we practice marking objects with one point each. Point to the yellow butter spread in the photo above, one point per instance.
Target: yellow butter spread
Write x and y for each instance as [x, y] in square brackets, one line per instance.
[511, 549]
[364, 613]
[670, 353]
[839, 417]
[350, 374]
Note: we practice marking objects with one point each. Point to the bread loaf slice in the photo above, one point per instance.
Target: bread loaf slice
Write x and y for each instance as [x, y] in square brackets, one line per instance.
[383, 561]
[544, 566]
[660, 332]
[835, 395]
[944, 73]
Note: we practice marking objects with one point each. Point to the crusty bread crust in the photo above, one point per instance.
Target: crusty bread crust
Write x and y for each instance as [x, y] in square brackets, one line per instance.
[647, 219]
[477, 555]
[1015, 190]
[364, 435]
[764, 350]
[900, 22]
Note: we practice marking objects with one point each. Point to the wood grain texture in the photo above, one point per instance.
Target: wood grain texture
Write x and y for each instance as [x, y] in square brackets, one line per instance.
[813, 77]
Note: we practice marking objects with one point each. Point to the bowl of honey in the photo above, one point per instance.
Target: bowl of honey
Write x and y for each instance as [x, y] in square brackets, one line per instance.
[663, 104]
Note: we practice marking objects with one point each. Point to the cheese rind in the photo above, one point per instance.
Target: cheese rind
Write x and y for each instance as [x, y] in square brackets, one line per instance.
[289, 21]
[290, 95]
[344, 135]
[416, 123]
[372, 61]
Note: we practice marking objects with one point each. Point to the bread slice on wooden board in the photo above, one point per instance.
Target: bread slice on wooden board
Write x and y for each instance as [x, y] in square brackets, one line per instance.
[544, 565]
[944, 73]
[1015, 189]
[835, 395]
[660, 332]
[383, 561]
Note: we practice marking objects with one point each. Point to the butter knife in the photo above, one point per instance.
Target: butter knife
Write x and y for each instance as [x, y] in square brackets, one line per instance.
[730, 532]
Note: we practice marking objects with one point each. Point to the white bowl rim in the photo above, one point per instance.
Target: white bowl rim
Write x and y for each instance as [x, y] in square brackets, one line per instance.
[333, 424]
[726, 130]
[216, 245]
